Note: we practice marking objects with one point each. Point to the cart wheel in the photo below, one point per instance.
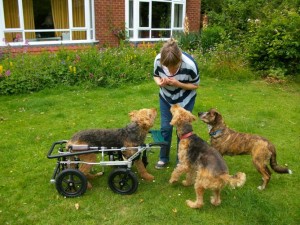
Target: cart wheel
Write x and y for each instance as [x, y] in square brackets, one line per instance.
[123, 181]
[71, 183]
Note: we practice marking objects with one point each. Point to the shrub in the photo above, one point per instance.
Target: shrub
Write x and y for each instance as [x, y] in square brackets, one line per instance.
[225, 63]
[210, 37]
[188, 41]
[275, 43]
[232, 15]
[92, 67]
[270, 37]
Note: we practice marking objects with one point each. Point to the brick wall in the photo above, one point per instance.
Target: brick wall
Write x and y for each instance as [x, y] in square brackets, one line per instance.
[193, 13]
[109, 14]
[39, 49]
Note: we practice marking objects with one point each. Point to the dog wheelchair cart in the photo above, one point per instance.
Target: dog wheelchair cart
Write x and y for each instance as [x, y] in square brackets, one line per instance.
[71, 182]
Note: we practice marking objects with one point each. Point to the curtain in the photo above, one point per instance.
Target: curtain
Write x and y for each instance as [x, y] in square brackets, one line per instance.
[28, 18]
[78, 19]
[11, 16]
[60, 15]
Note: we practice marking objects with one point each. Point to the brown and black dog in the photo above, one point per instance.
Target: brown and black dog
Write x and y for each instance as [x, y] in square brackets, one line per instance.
[230, 142]
[204, 166]
[133, 135]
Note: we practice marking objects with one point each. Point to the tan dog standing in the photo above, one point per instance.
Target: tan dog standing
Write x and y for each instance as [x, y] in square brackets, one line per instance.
[230, 142]
[204, 166]
[132, 135]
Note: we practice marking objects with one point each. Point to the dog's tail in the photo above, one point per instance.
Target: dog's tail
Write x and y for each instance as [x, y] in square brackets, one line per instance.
[274, 165]
[237, 180]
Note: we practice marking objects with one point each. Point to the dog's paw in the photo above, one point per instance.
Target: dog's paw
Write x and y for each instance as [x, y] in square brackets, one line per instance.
[214, 201]
[147, 177]
[261, 187]
[89, 185]
[99, 174]
[194, 205]
[172, 181]
[186, 183]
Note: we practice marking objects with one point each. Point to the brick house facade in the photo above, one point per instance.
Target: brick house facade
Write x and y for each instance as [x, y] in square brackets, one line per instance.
[112, 13]
[93, 21]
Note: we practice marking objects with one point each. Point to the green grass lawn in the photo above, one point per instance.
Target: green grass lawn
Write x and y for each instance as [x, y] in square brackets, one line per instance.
[29, 124]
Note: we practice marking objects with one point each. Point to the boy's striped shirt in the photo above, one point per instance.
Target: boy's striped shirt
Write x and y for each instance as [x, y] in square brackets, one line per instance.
[187, 73]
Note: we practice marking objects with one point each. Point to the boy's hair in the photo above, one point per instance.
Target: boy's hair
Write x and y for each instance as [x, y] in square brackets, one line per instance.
[170, 54]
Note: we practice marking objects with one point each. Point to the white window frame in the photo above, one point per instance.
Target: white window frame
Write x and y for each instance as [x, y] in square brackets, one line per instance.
[89, 27]
[136, 19]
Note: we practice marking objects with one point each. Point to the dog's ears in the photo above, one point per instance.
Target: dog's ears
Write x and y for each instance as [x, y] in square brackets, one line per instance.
[216, 114]
[191, 116]
[184, 116]
[176, 106]
[132, 114]
[174, 119]
[143, 117]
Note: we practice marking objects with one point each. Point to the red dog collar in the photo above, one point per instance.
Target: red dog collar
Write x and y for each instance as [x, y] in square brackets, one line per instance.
[186, 135]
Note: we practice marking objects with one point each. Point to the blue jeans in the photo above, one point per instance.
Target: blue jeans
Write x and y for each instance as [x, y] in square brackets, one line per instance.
[167, 129]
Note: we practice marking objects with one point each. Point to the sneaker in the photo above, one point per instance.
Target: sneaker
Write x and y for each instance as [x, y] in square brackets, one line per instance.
[160, 165]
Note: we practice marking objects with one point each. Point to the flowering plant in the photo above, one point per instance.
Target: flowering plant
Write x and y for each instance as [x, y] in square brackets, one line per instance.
[119, 33]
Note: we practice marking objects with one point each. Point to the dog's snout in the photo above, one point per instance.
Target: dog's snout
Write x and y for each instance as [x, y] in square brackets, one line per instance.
[200, 113]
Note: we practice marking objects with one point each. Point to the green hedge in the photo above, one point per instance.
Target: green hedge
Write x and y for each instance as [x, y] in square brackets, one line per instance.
[92, 67]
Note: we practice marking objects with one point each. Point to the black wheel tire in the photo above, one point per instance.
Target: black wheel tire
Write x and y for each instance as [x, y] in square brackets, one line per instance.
[123, 181]
[71, 183]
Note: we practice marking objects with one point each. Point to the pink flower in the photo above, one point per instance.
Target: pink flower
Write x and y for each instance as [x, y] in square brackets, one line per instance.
[7, 73]
[18, 36]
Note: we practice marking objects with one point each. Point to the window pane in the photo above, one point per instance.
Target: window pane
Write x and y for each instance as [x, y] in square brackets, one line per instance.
[144, 14]
[78, 35]
[42, 17]
[177, 33]
[48, 15]
[131, 14]
[30, 36]
[161, 15]
[91, 16]
[13, 37]
[11, 14]
[60, 11]
[28, 14]
[161, 34]
[178, 15]
[49, 39]
[78, 13]
[130, 33]
[144, 34]
[65, 36]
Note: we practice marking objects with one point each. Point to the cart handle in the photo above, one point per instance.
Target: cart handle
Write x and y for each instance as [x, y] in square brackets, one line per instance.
[53, 146]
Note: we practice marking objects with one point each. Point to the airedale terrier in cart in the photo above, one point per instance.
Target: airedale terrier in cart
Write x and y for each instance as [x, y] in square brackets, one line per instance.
[203, 165]
[132, 135]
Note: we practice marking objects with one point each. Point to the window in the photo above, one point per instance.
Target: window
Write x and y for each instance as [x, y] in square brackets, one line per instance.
[154, 20]
[46, 21]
